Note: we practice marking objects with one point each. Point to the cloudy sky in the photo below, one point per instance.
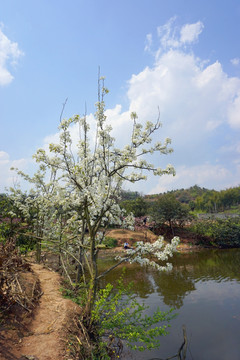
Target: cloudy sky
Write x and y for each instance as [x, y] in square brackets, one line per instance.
[182, 56]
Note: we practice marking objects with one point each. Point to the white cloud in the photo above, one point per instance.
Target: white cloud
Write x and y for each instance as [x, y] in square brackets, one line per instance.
[4, 158]
[235, 61]
[167, 34]
[171, 37]
[231, 148]
[199, 104]
[234, 113]
[194, 100]
[204, 175]
[7, 177]
[190, 32]
[148, 42]
[9, 54]
[121, 123]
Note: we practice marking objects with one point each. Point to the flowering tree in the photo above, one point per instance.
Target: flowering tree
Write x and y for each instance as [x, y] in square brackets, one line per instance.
[86, 185]
[36, 206]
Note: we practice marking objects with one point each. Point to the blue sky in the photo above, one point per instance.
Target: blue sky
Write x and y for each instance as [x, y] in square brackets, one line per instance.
[183, 56]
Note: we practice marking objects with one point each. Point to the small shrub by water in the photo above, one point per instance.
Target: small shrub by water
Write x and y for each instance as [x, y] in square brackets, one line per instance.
[222, 233]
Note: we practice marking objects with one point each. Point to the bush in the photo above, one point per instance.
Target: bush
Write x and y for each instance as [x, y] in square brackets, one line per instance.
[16, 230]
[222, 233]
[117, 315]
[110, 242]
[5, 230]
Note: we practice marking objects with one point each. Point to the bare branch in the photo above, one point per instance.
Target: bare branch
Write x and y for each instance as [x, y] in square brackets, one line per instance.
[63, 107]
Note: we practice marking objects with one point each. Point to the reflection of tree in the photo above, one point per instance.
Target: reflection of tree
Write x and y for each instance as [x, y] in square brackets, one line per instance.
[217, 265]
[214, 264]
[231, 261]
[174, 286]
[136, 274]
[188, 269]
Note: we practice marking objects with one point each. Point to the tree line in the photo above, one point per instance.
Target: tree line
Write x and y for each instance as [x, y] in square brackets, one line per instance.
[196, 198]
[181, 208]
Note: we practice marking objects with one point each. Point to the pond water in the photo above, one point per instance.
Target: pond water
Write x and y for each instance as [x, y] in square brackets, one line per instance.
[204, 290]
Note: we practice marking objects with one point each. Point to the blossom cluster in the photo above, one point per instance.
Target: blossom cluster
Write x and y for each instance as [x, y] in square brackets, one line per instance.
[146, 253]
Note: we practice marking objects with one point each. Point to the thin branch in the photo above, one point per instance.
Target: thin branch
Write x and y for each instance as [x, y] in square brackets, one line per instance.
[182, 347]
[111, 268]
[63, 107]
[66, 272]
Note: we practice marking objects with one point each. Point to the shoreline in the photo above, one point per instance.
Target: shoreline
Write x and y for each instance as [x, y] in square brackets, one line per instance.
[182, 248]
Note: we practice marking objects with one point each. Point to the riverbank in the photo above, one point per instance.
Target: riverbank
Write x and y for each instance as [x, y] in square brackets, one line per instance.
[188, 240]
[182, 248]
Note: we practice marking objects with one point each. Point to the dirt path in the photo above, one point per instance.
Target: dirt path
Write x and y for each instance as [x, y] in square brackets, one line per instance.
[46, 331]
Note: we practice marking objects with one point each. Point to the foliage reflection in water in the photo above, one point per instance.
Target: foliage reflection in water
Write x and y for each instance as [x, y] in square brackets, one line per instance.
[204, 288]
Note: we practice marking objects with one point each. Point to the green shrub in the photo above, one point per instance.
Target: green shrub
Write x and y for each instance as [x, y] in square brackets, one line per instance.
[221, 233]
[118, 315]
[110, 242]
[5, 230]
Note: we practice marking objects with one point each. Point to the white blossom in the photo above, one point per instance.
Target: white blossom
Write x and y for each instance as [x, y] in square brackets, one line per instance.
[149, 254]
[74, 196]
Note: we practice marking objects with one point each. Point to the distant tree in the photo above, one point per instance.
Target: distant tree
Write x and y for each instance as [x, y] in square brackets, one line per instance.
[203, 199]
[169, 210]
[138, 206]
[196, 191]
[184, 197]
[192, 205]
[129, 195]
[230, 197]
[209, 201]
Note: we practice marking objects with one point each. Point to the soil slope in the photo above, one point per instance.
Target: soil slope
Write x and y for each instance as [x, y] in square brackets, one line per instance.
[122, 235]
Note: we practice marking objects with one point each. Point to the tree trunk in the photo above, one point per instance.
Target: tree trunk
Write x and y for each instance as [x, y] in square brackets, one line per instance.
[171, 226]
[79, 265]
[92, 292]
[38, 251]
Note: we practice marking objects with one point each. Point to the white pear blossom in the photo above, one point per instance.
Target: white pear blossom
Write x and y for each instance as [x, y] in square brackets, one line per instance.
[152, 253]
[75, 195]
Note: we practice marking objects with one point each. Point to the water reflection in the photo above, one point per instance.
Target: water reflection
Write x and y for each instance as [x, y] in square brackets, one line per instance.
[210, 264]
[137, 275]
[206, 265]
[173, 287]
[204, 287]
